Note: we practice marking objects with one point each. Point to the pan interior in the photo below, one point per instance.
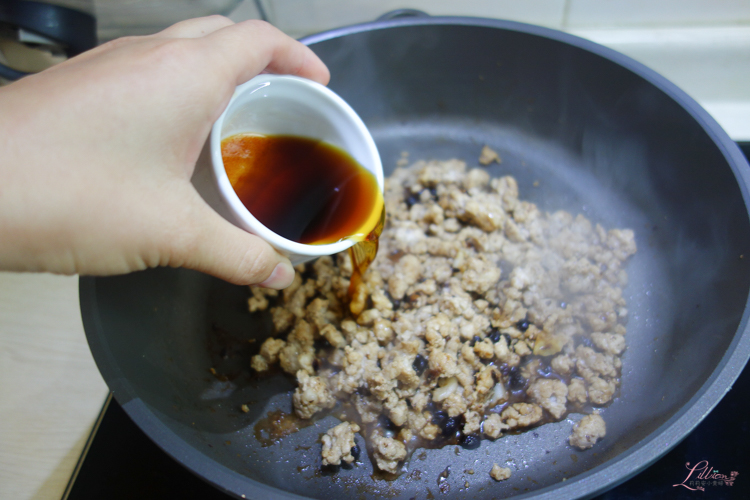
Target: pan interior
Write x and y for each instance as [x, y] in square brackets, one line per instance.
[598, 139]
[192, 323]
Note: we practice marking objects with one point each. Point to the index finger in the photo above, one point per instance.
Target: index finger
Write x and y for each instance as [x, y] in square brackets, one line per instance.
[253, 46]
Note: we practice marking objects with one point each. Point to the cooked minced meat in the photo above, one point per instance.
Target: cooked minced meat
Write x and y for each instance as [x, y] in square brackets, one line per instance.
[499, 473]
[588, 431]
[521, 415]
[488, 155]
[311, 395]
[551, 394]
[493, 426]
[388, 452]
[338, 444]
[481, 314]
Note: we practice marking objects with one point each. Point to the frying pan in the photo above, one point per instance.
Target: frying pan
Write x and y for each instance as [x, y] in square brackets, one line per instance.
[582, 128]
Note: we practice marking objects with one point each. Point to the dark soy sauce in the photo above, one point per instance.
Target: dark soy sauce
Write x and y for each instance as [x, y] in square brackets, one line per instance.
[303, 189]
[310, 192]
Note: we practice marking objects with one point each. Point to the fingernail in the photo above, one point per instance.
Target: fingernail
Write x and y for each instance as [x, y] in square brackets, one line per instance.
[281, 277]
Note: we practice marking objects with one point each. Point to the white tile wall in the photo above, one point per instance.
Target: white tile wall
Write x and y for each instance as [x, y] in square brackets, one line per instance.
[711, 64]
[302, 17]
[655, 13]
[701, 45]
[116, 18]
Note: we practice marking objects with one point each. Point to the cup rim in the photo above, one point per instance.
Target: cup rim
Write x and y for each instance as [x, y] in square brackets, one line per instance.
[246, 219]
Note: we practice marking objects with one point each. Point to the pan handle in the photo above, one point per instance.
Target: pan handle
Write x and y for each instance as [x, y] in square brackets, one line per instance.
[399, 13]
[73, 30]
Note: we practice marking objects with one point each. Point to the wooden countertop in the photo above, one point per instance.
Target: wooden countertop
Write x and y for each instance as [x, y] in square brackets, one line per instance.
[50, 389]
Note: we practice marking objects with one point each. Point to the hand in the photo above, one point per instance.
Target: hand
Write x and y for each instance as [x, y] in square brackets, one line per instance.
[96, 154]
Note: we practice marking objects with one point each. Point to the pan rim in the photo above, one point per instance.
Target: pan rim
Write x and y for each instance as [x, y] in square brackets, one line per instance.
[629, 463]
[598, 479]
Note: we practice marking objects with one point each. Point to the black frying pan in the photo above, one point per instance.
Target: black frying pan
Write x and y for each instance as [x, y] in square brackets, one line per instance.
[603, 135]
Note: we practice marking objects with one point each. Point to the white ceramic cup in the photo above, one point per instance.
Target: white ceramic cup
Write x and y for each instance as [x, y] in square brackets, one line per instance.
[289, 105]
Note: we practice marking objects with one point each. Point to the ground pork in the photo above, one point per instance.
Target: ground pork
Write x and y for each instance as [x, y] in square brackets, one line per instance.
[388, 452]
[499, 473]
[338, 444]
[493, 426]
[551, 394]
[521, 415]
[588, 431]
[311, 395]
[481, 314]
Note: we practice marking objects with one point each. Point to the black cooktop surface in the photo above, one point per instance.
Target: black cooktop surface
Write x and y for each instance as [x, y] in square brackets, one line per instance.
[122, 463]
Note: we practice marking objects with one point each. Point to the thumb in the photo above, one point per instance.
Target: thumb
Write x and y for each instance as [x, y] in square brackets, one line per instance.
[220, 249]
